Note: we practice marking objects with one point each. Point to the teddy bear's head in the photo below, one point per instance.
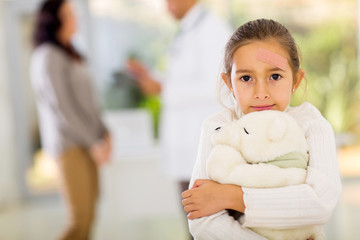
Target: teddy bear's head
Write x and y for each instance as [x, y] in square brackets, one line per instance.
[262, 136]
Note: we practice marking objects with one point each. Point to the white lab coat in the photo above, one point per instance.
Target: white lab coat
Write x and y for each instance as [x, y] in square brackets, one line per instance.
[189, 89]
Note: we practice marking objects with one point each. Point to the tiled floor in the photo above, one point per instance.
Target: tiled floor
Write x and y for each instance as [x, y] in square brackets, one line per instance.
[145, 214]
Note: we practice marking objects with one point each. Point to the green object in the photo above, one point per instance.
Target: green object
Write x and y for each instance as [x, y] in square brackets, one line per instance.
[123, 92]
[331, 65]
[153, 104]
[292, 159]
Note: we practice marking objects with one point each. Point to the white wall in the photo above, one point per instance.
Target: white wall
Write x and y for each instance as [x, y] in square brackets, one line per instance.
[9, 185]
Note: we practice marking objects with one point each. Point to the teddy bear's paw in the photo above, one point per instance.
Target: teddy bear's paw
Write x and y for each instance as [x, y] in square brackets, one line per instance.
[222, 160]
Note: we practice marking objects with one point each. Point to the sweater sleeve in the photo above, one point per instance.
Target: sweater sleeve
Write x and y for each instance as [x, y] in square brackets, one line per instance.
[220, 225]
[59, 92]
[305, 204]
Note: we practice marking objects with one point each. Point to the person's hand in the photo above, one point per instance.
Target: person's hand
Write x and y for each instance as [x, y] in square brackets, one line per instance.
[147, 84]
[207, 197]
[108, 148]
[100, 153]
[101, 150]
[136, 68]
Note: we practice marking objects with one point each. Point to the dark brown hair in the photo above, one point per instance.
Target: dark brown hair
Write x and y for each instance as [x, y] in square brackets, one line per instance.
[259, 30]
[48, 24]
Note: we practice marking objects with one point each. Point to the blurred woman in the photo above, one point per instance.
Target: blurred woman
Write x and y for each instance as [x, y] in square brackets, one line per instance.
[70, 121]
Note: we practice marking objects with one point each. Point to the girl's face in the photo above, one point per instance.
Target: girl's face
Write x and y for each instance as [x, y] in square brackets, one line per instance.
[260, 85]
[68, 22]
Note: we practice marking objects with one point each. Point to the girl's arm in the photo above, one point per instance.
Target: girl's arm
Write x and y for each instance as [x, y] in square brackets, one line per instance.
[293, 206]
[213, 198]
[207, 197]
[305, 204]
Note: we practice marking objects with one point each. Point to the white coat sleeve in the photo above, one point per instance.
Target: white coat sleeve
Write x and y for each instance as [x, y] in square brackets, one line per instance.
[305, 204]
[220, 225]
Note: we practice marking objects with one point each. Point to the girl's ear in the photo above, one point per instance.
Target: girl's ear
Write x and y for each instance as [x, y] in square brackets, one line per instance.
[298, 78]
[226, 80]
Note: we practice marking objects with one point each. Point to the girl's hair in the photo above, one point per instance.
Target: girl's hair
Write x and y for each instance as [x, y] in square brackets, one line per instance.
[47, 26]
[259, 30]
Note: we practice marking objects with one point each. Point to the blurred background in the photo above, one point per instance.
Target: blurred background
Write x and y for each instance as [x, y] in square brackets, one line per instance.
[138, 201]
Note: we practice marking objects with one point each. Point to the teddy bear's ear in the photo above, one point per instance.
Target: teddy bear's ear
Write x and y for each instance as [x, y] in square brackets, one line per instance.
[277, 128]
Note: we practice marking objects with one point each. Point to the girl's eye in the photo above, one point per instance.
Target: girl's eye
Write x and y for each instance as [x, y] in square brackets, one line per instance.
[275, 77]
[245, 78]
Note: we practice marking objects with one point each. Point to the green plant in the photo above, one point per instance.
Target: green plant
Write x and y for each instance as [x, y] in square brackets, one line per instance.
[153, 105]
[330, 60]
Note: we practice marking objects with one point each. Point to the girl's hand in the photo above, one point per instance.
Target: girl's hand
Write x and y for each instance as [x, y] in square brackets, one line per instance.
[207, 197]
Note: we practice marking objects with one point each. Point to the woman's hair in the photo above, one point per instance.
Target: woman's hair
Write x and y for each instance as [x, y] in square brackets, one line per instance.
[259, 30]
[48, 24]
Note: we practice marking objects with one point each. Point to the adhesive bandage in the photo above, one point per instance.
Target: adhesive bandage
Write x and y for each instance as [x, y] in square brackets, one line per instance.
[271, 58]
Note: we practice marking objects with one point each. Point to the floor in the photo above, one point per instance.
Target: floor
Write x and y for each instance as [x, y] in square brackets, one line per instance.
[144, 214]
[45, 221]
[130, 208]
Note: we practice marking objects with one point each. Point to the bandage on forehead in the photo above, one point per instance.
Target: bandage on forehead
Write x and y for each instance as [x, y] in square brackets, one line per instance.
[271, 58]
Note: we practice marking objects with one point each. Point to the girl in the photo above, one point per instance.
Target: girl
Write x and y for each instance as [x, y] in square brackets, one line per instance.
[262, 71]
[70, 121]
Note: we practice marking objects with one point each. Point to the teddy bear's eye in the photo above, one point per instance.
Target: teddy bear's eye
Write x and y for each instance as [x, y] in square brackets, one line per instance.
[246, 131]
[217, 129]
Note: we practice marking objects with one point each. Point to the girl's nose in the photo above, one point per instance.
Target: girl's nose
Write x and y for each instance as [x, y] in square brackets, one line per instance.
[262, 90]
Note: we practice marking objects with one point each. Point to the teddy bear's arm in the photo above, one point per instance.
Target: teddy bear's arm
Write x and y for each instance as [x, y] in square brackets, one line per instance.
[264, 175]
[222, 160]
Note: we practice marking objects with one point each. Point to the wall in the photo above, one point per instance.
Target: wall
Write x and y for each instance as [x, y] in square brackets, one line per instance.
[9, 186]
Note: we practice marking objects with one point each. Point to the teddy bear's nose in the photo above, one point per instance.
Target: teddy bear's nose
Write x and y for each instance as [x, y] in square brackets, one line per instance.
[217, 129]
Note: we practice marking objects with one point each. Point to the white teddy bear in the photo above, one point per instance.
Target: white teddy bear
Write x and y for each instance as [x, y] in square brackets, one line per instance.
[264, 149]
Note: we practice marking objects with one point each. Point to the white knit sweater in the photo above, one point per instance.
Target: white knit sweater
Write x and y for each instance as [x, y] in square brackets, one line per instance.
[286, 207]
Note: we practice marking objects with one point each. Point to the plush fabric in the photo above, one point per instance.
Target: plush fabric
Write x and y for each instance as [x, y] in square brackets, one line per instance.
[311, 203]
[292, 159]
[265, 149]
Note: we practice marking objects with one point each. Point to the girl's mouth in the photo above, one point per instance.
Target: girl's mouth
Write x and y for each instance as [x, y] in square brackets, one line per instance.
[263, 107]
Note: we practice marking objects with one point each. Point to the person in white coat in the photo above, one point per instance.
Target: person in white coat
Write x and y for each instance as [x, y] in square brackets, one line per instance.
[189, 89]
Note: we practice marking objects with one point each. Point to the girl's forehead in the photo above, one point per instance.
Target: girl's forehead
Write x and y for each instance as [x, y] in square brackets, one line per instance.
[270, 45]
[271, 58]
[269, 51]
